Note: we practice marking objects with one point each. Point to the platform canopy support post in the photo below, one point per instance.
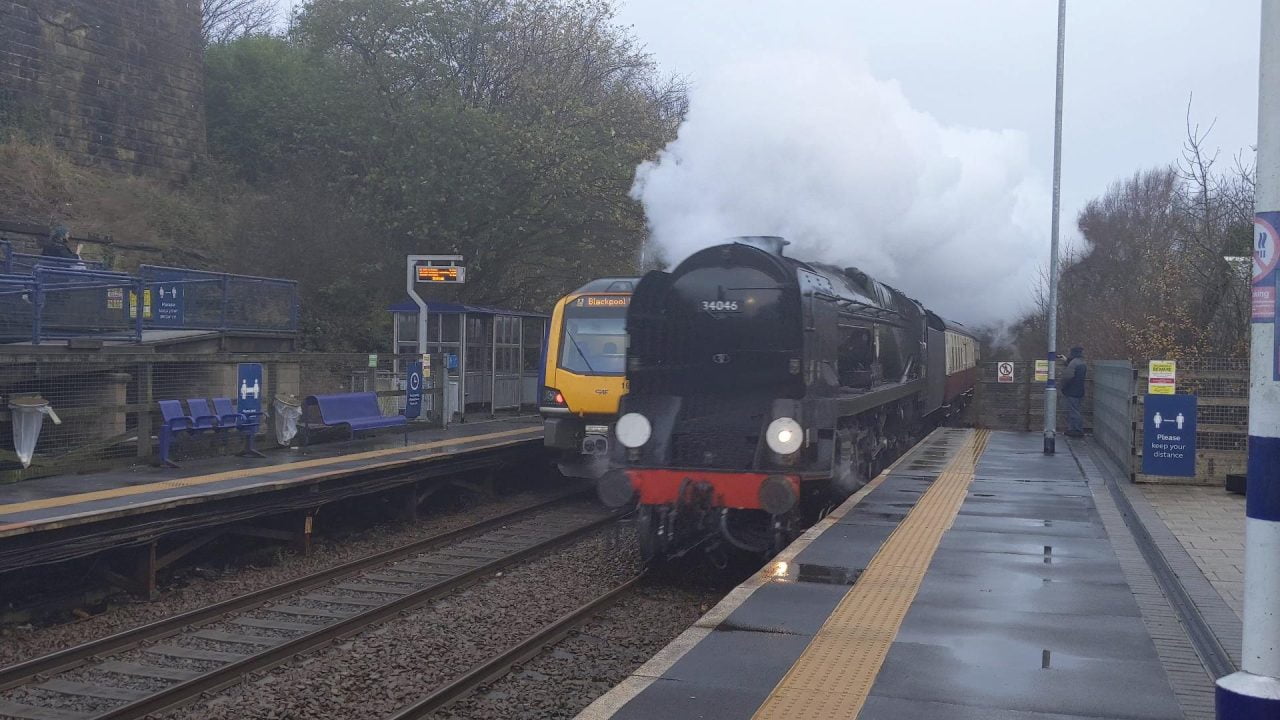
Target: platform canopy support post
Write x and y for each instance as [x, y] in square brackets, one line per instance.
[1254, 692]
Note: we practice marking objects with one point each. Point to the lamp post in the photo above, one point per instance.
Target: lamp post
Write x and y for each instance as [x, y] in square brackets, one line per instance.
[1050, 391]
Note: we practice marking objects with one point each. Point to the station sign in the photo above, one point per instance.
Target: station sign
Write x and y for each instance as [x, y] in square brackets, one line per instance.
[439, 271]
[1004, 372]
[1042, 371]
[1162, 376]
[413, 391]
[1169, 435]
[249, 388]
[1265, 256]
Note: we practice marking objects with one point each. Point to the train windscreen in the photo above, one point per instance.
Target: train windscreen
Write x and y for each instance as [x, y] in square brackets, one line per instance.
[594, 340]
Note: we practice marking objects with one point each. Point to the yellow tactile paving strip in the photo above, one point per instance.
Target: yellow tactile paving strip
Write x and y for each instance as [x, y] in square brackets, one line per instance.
[834, 674]
[195, 481]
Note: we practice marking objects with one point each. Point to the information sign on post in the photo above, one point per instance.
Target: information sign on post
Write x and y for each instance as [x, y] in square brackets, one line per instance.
[413, 391]
[1004, 372]
[249, 388]
[1162, 377]
[1169, 435]
[1042, 371]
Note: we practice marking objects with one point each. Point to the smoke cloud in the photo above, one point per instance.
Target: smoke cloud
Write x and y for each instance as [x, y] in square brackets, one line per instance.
[817, 150]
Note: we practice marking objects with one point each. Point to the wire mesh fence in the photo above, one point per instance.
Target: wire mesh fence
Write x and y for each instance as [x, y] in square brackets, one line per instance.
[197, 299]
[1114, 405]
[1221, 386]
[107, 401]
[1016, 402]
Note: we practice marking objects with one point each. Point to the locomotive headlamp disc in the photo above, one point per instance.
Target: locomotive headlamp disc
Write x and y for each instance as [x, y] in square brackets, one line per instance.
[784, 436]
[777, 495]
[633, 430]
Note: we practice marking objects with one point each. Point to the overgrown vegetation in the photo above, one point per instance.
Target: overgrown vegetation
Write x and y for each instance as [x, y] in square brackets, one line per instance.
[1164, 269]
[507, 131]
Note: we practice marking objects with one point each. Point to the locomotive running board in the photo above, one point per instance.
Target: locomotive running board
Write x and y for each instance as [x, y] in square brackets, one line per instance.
[855, 404]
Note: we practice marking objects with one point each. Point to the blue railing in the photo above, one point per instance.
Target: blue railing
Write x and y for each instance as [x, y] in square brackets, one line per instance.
[199, 299]
[52, 299]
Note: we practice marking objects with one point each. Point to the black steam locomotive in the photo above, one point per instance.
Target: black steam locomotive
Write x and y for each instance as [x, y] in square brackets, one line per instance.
[763, 389]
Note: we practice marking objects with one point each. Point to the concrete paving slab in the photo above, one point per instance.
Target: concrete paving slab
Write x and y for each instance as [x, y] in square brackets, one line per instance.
[1099, 688]
[683, 700]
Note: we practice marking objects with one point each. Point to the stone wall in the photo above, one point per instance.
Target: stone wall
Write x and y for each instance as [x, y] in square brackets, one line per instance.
[117, 83]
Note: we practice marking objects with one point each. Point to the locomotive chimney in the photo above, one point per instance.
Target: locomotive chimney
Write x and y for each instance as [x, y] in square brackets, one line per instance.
[769, 243]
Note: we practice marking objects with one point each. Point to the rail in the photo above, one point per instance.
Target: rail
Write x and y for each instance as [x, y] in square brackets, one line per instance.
[518, 542]
[501, 664]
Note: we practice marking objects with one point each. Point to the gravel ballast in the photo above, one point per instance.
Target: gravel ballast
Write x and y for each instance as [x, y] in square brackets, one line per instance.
[385, 668]
[24, 642]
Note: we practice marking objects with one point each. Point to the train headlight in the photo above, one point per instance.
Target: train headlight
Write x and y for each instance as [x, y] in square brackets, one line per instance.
[633, 430]
[784, 436]
[552, 397]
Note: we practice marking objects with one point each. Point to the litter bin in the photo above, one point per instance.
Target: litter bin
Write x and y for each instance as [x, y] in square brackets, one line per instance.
[288, 410]
[28, 417]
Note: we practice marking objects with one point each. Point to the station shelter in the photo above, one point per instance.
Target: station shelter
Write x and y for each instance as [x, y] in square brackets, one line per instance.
[492, 356]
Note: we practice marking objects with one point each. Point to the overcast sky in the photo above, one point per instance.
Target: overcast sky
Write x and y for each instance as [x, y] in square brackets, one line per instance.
[1131, 66]
[946, 190]
[914, 138]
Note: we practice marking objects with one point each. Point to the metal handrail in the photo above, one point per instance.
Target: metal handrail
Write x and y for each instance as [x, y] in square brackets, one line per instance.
[60, 275]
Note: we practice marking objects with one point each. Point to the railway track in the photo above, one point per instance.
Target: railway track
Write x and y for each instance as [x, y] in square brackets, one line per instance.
[499, 665]
[150, 669]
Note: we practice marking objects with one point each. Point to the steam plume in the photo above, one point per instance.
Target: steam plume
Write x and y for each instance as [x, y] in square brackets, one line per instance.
[819, 151]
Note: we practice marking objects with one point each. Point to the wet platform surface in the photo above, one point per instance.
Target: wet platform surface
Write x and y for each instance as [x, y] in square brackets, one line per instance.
[1022, 612]
[65, 502]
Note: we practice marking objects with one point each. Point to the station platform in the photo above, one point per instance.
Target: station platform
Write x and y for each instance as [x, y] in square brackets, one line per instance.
[60, 518]
[975, 578]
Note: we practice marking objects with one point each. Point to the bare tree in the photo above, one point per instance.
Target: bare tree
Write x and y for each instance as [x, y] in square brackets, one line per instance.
[225, 20]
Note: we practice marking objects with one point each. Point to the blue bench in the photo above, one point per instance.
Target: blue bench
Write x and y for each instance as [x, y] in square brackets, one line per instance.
[201, 418]
[358, 411]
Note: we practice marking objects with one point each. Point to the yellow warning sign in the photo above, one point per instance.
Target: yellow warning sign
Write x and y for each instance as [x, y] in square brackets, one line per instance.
[146, 304]
[1042, 371]
[1162, 377]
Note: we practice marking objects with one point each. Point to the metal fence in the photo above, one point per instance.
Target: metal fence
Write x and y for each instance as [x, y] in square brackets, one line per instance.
[1222, 389]
[1113, 402]
[45, 298]
[107, 400]
[1019, 405]
[202, 300]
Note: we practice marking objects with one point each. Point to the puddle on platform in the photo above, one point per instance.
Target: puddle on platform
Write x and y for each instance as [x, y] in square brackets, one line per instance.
[785, 572]
[825, 574]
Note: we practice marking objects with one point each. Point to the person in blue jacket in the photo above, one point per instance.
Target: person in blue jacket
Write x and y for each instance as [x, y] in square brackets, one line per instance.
[1073, 391]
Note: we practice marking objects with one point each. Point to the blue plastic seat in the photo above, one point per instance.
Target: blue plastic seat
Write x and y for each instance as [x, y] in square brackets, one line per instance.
[175, 422]
[202, 417]
[245, 423]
